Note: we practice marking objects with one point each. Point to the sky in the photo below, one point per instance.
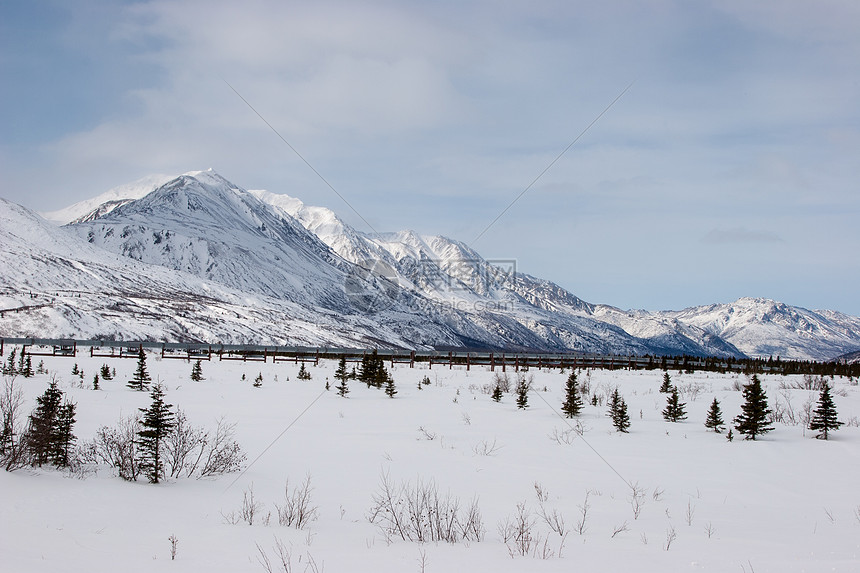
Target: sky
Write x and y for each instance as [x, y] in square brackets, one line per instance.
[729, 168]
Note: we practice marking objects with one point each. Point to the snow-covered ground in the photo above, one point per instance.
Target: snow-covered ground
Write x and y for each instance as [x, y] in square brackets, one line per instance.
[786, 502]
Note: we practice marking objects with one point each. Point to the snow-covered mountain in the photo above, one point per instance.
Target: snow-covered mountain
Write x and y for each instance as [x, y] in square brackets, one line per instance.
[293, 274]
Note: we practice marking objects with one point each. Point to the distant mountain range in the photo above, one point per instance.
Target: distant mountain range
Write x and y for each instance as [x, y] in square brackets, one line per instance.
[198, 258]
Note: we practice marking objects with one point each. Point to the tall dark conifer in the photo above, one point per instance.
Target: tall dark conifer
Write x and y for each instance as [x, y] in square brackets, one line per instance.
[714, 420]
[42, 432]
[674, 411]
[666, 387]
[141, 378]
[197, 371]
[156, 425]
[572, 405]
[64, 436]
[824, 416]
[752, 421]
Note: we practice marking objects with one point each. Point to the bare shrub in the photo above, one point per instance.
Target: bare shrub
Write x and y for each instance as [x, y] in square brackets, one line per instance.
[222, 454]
[284, 558]
[690, 512]
[13, 443]
[581, 525]
[116, 447]
[486, 448]
[637, 499]
[541, 493]
[691, 391]
[250, 506]
[553, 519]
[425, 434]
[518, 532]
[620, 529]
[420, 513]
[174, 543]
[670, 537]
[502, 381]
[709, 529]
[298, 509]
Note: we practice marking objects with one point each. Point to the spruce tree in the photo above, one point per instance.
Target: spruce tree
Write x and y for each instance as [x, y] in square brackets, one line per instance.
[497, 393]
[390, 389]
[156, 424]
[27, 371]
[341, 373]
[674, 411]
[303, 373]
[715, 417]
[197, 371]
[64, 437]
[96, 385]
[10, 369]
[41, 433]
[369, 369]
[105, 372]
[752, 421]
[667, 384]
[522, 394]
[141, 378]
[258, 381]
[572, 405]
[618, 413]
[824, 416]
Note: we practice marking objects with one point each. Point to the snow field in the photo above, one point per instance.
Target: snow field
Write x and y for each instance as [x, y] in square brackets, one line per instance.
[786, 502]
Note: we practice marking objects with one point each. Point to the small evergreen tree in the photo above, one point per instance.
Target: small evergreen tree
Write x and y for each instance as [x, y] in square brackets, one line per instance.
[390, 389]
[752, 421]
[40, 368]
[618, 412]
[75, 370]
[156, 424]
[497, 393]
[824, 416]
[674, 411]
[105, 372]
[96, 385]
[197, 371]
[9, 369]
[64, 437]
[523, 393]
[303, 373]
[258, 381]
[343, 387]
[715, 417]
[141, 378]
[341, 373]
[666, 387]
[572, 405]
[27, 370]
[42, 431]
[369, 369]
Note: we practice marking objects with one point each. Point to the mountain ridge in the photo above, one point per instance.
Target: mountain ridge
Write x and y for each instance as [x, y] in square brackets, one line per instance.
[430, 290]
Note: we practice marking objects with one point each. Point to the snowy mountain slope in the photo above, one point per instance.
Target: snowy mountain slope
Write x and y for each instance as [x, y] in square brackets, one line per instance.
[74, 289]
[449, 271]
[762, 327]
[91, 209]
[423, 289]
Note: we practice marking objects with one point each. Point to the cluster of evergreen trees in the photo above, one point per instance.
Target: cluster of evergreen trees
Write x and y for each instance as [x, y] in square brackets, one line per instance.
[48, 437]
[18, 364]
[373, 373]
[753, 421]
